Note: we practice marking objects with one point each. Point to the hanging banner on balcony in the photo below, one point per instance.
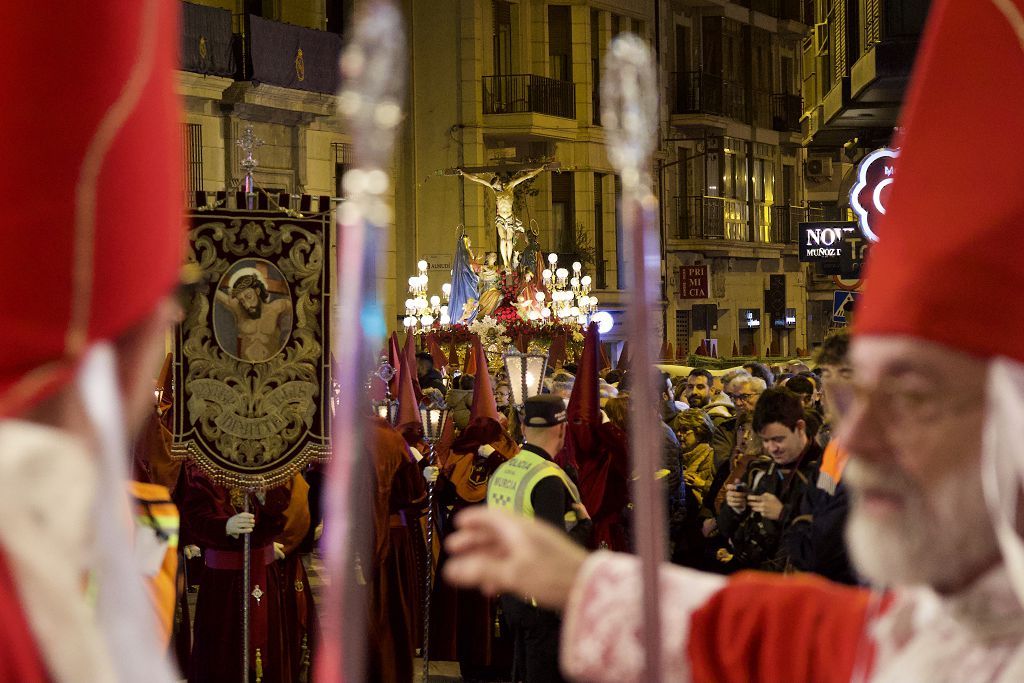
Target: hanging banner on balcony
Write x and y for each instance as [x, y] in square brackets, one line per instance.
[870, 194]
[293, 56]
[693, 282]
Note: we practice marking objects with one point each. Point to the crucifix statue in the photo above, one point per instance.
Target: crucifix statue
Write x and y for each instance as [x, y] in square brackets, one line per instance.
[505, 221]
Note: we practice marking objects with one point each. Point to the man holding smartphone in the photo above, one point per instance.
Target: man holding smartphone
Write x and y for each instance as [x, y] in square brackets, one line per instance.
[762, 505]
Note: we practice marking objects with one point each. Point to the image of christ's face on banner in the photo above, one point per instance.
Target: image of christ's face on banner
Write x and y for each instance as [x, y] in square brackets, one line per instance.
[252, 311]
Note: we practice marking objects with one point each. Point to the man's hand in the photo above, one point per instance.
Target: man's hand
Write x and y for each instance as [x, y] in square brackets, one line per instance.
[278, 551]
[242, 523]
[709, 527]
[499, 553]
[430, 474]
[192, 552]
[581, 511]
[767, 504]
[737, 500]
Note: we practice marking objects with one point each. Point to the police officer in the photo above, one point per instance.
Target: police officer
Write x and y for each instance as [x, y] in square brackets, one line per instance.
[532, 485]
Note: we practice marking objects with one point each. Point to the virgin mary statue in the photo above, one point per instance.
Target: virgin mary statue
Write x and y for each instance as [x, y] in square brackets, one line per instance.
[463, 299]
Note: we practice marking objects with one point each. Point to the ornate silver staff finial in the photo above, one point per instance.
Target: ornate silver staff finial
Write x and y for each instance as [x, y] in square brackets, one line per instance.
[373, 67]
[629, 109]
[630, 112]
[373, 73]
[249, 143]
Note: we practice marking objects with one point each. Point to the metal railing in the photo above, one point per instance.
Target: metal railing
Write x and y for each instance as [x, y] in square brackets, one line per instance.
[786, 220]
[526, 93]
[702, 93]
[786, 112]
[712, 218]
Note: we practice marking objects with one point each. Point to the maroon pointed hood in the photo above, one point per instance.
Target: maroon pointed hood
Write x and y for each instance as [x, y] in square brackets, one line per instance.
[408, 403]
[484, 404]
[556, 353]
[623, 363]
[440, 359]
[585, 400]
[409, 364]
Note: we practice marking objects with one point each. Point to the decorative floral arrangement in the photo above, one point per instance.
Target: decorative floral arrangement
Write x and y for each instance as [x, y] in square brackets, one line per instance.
[492, 333]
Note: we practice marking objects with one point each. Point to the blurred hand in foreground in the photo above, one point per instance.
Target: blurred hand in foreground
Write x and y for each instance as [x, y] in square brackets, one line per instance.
[500, 553]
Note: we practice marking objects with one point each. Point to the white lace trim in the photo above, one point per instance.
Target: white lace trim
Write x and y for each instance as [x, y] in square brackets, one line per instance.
[601, 631]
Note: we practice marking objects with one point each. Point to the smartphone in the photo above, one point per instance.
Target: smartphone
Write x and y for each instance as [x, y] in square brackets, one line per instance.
[740, 487]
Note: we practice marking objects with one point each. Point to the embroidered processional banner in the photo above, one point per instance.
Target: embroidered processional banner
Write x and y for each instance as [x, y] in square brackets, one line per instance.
[252, 355]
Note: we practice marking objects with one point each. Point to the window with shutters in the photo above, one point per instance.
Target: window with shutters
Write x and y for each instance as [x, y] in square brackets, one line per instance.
[682, 334]
[838, 27]
[595, 64]
[560, 42]
[872, 13]
[342, 162]
[192, 141]
[563, 212]
[599, 265]
[502, 37]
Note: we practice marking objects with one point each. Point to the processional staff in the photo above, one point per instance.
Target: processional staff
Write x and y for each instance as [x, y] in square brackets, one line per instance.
[373, 68]
[630, 112]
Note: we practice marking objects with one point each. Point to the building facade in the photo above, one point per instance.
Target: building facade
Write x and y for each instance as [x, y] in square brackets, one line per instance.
[497, 82]
[765, 107]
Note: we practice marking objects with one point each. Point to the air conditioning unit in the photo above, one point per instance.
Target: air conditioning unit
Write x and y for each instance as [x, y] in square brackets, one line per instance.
[821, 38]
[819, 167]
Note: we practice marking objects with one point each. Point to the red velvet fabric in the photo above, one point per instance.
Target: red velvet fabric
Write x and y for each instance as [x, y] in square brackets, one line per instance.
[771, 628]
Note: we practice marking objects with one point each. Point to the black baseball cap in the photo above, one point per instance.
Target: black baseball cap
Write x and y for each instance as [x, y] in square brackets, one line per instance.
[544, 410]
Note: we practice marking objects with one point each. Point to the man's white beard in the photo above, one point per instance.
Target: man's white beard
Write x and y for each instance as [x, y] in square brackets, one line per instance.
[941, 543]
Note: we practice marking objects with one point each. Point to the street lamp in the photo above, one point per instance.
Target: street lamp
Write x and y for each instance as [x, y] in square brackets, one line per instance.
[386, 409]
[525, 374]
[432, 417]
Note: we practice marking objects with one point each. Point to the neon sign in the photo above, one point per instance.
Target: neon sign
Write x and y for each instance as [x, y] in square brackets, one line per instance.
[870, 194]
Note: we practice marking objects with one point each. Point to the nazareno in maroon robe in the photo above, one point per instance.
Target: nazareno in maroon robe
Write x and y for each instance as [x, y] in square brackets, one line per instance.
[217, 649]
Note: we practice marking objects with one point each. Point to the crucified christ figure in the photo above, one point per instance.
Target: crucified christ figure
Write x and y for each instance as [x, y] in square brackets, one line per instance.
[505, 221]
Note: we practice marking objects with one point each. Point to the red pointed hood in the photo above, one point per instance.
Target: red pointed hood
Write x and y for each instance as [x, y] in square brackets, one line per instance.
[623, 363]
[585, 400]
[556, 354]
[949, 250]
[73, 272]
[605, 363]
[440, 359]
[469, 366]
[408, 402]
[410, 367]
[395, 358]
[484, 404]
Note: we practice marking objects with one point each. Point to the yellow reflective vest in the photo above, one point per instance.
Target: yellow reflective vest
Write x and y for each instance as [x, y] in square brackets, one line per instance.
[512, 484]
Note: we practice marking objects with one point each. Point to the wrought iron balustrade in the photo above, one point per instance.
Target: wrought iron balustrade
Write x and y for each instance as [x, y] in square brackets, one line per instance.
[527, 93]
